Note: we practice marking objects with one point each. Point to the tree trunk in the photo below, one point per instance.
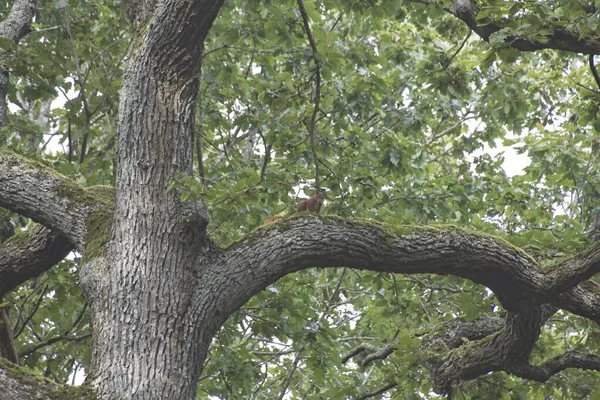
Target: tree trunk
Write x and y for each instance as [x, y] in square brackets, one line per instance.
[145, 317]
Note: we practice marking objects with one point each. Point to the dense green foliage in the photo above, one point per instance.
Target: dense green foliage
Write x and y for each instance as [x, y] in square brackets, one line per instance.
[419, 122]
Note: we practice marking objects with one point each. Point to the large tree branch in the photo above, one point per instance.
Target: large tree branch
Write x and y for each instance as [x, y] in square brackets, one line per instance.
[584, 300]
[16, 25]
[501, 351]
[296, 243]
[175, 32]
[559, 38]
[28, 254]
[33, 190]
[487, 344]
[570, 359]
[575, 271]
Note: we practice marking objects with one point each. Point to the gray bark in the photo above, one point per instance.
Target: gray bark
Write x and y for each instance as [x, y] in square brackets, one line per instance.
[28, 255]
[149, 341]
[15, 26]
[45, 197]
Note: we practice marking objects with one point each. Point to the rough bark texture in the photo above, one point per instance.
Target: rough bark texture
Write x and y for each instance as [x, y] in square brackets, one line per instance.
[7, 343]
[20, 384]
[15, 26]
[28, 255]
[148, 342]
[47, 198]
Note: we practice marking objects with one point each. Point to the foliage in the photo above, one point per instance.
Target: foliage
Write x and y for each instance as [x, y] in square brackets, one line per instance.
[419, 122]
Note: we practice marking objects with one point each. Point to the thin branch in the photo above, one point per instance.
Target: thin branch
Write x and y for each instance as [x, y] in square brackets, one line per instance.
[459, 49]
[53, 340]
[18, 328]
[594, 71]
[267, 158]
[448, 130]
[291, 372]
[63, 336]
[77, 319]
[317, 101]
[378, 391]
[579, 84]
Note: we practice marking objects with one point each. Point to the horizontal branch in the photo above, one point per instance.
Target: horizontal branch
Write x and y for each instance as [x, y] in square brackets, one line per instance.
[570, 359]
[299, 243]
[558, 38]
[30, 349]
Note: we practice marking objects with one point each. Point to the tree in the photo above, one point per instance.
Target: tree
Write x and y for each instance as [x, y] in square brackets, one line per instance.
[384, 104]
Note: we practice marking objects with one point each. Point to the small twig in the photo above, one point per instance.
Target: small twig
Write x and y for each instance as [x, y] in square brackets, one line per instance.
[246, 49]
[594, 70]
[579, 84]
[77, 319]
[50, 341]
[459, 49]
[447, 131]
[378, 391]
[291, 373]
[19, 326]
[267, 158]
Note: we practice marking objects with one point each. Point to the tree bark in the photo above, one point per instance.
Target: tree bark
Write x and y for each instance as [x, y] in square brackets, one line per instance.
[15, 26]
[148, 341]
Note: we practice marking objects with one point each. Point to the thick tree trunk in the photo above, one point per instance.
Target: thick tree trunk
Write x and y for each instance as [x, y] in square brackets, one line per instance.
[145, 316]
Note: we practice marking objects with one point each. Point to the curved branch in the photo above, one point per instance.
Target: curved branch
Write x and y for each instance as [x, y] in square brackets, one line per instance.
[558, 39]
[297, 243]
[28, 254]
[527, 293]
[507, 350]
[574, 271]
[331, 242]
[35, 191]
[570, 359]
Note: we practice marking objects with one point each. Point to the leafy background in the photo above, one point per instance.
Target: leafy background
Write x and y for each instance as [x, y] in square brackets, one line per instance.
[419, 122]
